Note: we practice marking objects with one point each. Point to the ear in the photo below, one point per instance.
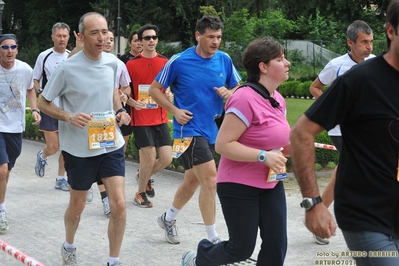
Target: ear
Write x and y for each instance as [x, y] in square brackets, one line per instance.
[262, 67]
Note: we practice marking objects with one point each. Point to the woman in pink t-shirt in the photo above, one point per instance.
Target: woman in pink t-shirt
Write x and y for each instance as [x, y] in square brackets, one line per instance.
[253, 141]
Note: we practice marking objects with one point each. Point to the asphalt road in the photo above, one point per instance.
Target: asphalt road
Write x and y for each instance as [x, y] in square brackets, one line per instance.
[35, 213]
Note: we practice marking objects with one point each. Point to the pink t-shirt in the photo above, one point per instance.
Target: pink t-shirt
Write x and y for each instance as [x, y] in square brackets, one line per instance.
[267, 129]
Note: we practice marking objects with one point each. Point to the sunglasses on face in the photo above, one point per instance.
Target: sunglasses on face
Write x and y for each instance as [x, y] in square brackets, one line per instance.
[6, 47]
[147, 38]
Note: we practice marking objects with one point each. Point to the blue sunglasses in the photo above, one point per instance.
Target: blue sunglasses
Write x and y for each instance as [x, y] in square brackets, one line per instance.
[6, 47]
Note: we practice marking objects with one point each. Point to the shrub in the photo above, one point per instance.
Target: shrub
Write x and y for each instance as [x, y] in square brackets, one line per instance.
[324, 156]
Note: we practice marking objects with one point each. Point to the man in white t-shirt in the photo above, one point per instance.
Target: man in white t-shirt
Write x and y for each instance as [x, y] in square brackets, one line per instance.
[360, 40]
[46, 63]
[16, 85]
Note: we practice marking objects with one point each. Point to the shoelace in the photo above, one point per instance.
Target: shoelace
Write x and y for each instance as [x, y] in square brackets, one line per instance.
[171, 228]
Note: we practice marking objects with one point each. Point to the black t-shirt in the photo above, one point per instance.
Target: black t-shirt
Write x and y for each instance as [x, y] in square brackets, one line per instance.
[365, 102]
[126, 57]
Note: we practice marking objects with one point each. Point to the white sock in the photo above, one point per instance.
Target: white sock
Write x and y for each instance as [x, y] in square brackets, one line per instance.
[112, 260]
[3, 206]
[171, 214]
[69, 246]
[60, 177]
[41, 156]
[211, 231]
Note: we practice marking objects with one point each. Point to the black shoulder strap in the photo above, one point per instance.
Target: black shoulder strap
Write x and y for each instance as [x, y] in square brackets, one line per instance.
[259, 88]
[44, 80]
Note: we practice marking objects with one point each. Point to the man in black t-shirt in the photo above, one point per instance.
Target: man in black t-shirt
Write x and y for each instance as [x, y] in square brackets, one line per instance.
[364, 101]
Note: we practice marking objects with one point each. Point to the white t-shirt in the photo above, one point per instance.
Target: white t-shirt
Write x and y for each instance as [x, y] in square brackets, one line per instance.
[335, 68]
[123, 78]
[14, 83]
[52, 62]
[86, 86]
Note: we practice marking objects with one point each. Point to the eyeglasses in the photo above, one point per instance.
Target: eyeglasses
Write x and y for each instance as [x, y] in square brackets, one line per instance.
[147, 38]
[6, 47]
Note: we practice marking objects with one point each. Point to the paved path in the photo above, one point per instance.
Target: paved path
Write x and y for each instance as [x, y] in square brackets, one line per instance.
[35, 214]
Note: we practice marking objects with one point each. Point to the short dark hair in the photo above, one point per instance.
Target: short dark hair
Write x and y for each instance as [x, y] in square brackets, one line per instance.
[392, 18]
[144, 28]
[130, 38]
[357, 26]
[209, 22]
[260, 50]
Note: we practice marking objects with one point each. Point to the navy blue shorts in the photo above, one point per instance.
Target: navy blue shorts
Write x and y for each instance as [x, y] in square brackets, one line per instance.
[48, 123]
[153, 136]
[199, 152]
[84, 171]
[10, 148]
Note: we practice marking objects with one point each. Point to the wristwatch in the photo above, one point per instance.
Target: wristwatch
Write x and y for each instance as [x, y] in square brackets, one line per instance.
[262, 156]
[309, 203]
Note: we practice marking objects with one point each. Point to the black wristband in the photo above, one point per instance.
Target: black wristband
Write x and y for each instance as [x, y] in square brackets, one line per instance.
[127, 95]
[35, 110]
[120, 111]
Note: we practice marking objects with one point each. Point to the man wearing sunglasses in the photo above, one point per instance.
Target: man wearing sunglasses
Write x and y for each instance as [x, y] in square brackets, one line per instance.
[16, 85]
[150, 123]
[46, 63]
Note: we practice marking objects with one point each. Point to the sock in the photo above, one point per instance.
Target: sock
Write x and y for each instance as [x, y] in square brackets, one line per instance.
[112, 260]
[69, 246]
[41, 156]
[103, 194]
[3, 206]
[171, 213]
[60, 177]
[211, 231]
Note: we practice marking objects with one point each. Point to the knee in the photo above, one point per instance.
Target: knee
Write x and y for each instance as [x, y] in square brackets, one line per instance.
[76, 208]
[118, 207]
[3, 171]
[52, 148]
[166, 160]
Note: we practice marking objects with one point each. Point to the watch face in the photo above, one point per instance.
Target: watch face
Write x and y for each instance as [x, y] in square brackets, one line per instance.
[307, 204]
[262, 157]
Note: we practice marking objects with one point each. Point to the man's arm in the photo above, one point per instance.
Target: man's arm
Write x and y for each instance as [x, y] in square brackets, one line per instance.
[182, 116]
[31, 96]
[318, 219]
[316, 89]
[120, 113]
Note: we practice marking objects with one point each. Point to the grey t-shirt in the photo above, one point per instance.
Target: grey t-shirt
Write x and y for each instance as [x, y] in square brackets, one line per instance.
[84, 86]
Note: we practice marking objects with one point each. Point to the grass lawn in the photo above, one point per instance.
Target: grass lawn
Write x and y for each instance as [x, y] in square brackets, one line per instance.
[295, 108]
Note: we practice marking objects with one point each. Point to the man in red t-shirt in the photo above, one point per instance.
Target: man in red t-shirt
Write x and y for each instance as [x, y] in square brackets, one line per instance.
[150, 124]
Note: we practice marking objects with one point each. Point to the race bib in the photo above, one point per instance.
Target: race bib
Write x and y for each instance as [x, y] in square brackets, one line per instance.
[145, 97]
[180, 145]
[280, 176]
[102, 130]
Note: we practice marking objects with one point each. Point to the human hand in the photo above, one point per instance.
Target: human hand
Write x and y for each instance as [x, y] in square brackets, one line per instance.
[275, 161]
[37, 117]
[80, 120]
[223, 92]
[320, 222]
[79, 41]
[138, 105]
[122, 96]
[183, 116]
[123, 118]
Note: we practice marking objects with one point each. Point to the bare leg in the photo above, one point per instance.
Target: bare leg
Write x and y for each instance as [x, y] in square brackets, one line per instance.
[186, 189]
[4, 176]
[117, 222]
[52, 144]
[61, 167]
[77, 203]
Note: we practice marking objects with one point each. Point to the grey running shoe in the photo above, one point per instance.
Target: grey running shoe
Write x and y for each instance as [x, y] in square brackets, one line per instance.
[3, 220]
[321, 241]
[118, 263]
[188, 258]
[62, 184]
[89, 197]
[40, 164]
[170, 229]
[68, 256]
[141, 200]
[106, 208]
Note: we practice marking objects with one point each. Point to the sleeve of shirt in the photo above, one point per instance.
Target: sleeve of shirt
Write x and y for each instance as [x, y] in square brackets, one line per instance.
[168, 73]
[38, 69]
[328, 74]
[55, 85]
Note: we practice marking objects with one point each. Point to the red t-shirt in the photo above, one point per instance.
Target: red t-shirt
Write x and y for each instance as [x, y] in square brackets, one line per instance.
[142, 72]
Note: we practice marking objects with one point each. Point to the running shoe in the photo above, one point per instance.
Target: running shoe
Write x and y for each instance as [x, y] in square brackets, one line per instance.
[89, 197]
[170, 229]
[106, 208]
[188, 258]
[140, 199]
[61, 184]
[3, 220]
[68, 256]
[40, 164]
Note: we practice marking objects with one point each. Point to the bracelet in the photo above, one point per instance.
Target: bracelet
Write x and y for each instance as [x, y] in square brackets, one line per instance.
[40, 90]
[120, 111]
[70, 119]
[35, 110]
[128, 97]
